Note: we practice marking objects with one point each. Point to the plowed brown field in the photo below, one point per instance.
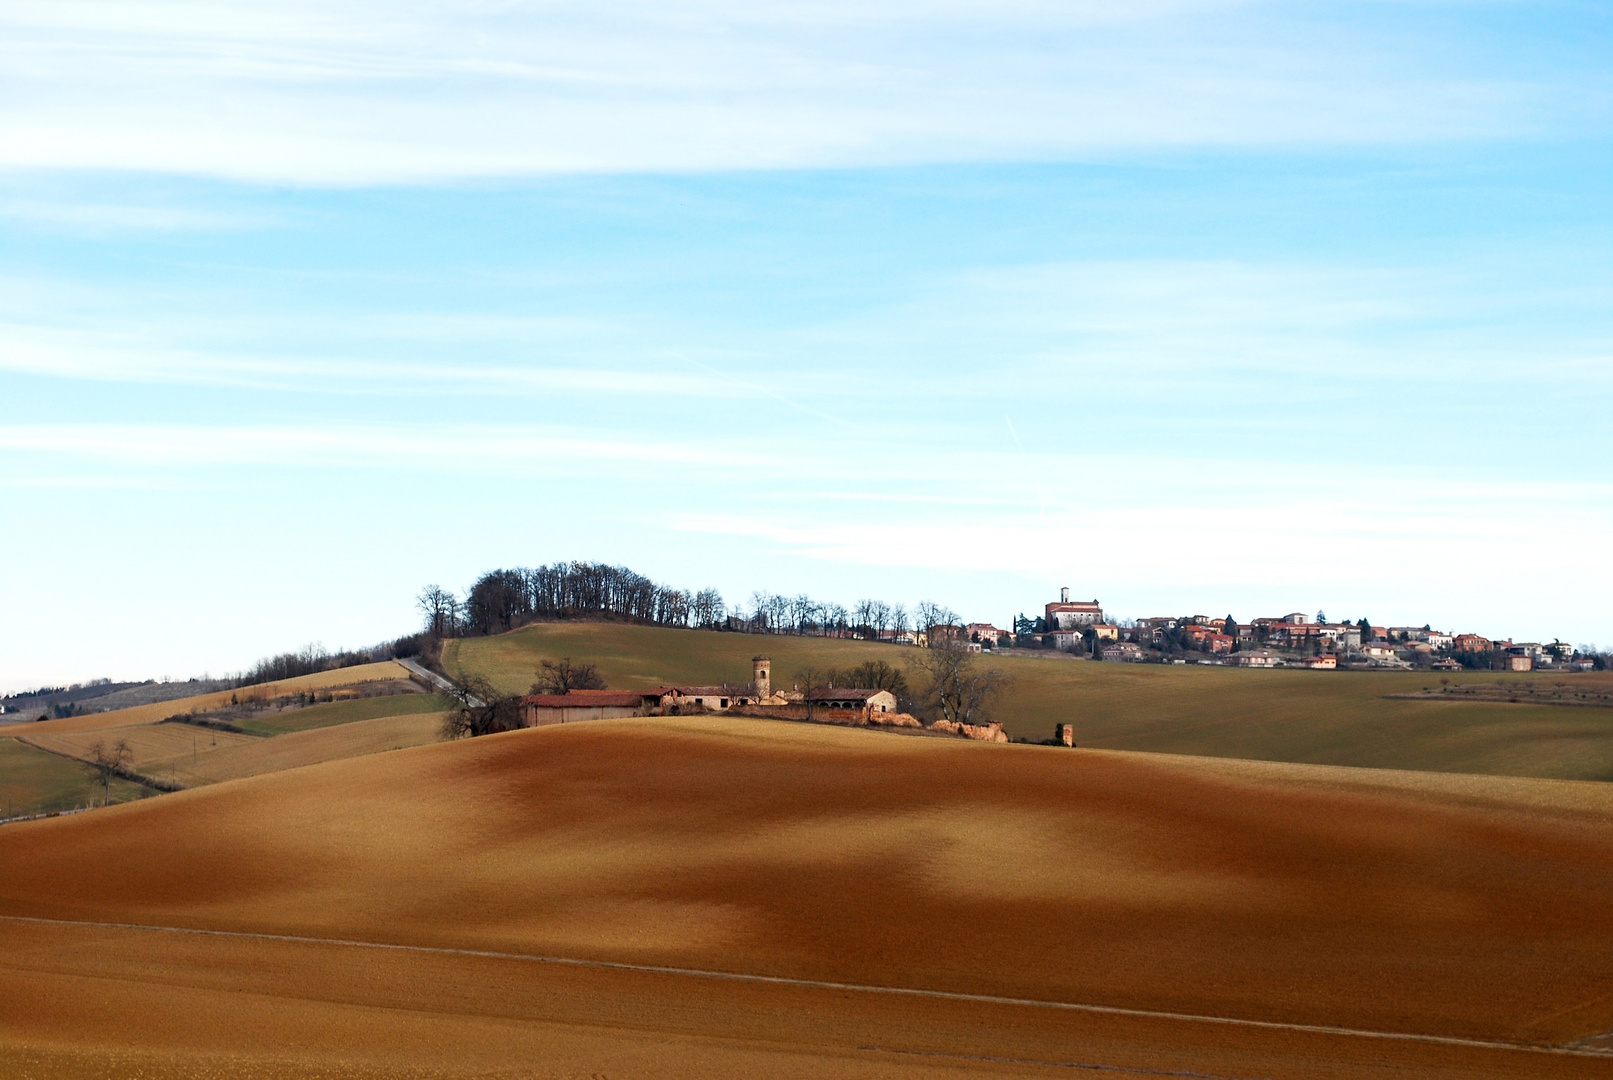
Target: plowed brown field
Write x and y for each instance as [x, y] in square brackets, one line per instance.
[1205, 917]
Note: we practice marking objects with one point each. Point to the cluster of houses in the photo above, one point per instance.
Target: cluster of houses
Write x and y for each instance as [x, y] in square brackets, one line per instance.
[1292, 640]
[869, 704]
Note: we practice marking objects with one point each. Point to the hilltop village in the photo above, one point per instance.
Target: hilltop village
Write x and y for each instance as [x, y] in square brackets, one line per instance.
[1292, 640]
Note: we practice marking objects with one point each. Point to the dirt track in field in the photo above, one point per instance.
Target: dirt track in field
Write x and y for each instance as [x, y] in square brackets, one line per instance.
[1457, 907]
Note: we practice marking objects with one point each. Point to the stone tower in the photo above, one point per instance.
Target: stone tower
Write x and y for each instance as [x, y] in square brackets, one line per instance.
[1064, 595]
[762, 669]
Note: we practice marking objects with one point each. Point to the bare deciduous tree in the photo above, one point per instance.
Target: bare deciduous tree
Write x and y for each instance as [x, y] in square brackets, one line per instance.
[441, 609]
[955, 686]
[810, 680]
[875, 675]
[929, 615]
[706, 609]
[562, 677]
[480, 710]
[110, 761]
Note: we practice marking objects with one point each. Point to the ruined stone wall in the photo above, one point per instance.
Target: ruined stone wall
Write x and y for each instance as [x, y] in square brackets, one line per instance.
[983, 732]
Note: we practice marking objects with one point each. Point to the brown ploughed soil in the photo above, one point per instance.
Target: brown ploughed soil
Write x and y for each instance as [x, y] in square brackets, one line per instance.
[1454, 907]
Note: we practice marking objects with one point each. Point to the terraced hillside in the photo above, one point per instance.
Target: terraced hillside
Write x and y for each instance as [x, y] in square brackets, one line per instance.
[1318, 717]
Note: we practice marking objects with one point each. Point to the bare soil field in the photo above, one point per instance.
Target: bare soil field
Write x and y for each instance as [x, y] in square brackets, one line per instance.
[1357, 718]
[715, 896]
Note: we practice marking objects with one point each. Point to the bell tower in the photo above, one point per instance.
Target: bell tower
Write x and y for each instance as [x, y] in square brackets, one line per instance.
[762, 671]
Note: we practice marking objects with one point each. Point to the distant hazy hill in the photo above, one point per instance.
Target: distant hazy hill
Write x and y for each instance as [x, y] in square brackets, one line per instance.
[106, 696]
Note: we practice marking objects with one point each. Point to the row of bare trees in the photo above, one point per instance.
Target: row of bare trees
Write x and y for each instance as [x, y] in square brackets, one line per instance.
[308, 660]
[772, 613]
[503, 599]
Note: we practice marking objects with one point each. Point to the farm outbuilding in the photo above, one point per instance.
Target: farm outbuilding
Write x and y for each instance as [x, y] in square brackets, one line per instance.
[539, 710]
[875, 701]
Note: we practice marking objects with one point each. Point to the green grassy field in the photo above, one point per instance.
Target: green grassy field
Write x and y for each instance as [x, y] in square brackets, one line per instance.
[33, 781]
[1317, 717]
[346, 712]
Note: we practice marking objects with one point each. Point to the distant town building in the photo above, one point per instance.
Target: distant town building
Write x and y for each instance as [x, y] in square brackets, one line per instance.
[1382, 654]
[1068, 614]
[1065, 639]
[985, 633]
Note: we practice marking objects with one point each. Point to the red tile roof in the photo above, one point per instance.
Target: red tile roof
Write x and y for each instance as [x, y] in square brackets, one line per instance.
[835, 692]
[582, 699]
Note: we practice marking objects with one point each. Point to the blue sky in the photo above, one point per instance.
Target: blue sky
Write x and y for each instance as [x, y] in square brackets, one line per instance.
[1198, 307]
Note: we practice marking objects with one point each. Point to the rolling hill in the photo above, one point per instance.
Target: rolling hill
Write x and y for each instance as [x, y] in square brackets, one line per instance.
[1315, 717]
[705, 896]
[42, 764]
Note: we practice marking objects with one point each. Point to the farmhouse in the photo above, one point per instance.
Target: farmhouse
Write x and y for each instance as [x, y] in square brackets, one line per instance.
[874, 701]
[676, 699]
[1255, 658]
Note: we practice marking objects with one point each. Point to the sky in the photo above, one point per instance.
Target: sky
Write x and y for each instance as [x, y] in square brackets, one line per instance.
[1192, 306]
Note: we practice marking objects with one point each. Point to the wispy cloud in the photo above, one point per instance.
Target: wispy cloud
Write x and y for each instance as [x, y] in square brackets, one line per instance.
[1222, 528]
[377, 93]
[100, 218]
[203, 447]
[124, 357]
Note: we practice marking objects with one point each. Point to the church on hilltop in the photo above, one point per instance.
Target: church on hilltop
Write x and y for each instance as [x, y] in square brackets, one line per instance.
[1069, 614]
